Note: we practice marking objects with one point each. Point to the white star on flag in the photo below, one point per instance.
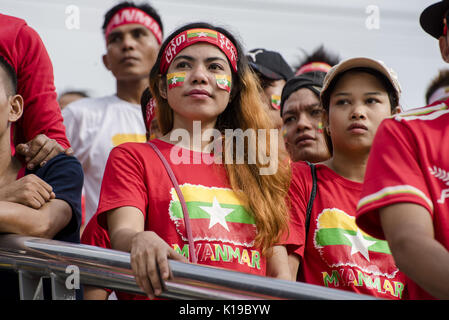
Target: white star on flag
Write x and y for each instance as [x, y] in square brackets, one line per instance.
[360, 244]
[173, 80]
[217, 214]
[202, 34]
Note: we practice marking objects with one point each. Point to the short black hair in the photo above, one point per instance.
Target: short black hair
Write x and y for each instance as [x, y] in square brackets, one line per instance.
[321, 54]
[81, 93]
[145, 7]
[11, 74]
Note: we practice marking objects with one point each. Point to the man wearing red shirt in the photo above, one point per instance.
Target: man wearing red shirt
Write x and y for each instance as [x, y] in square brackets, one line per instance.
[405, 197]
[23, 49]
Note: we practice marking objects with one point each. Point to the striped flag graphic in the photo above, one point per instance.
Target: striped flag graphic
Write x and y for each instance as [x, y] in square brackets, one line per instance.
[206, 33]
[216, 214]
[341, 243]
[175, 79]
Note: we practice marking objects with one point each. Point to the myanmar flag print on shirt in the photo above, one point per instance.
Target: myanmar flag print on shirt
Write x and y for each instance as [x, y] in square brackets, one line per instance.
[350, 246]
[216, 214]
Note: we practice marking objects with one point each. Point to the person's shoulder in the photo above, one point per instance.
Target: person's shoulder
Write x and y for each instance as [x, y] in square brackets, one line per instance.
[11, 21]
[137, 152]
[428, 113]
[11, 28]
[89, 104]
[61, 162]
[301, 172]
[299, 167]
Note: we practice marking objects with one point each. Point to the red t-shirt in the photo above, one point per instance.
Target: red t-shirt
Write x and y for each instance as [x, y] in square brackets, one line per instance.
[222, 229]
[337, 253]
[409, 162]
[24, 50]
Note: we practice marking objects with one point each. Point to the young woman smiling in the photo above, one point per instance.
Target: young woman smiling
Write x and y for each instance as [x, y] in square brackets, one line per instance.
[235, 215]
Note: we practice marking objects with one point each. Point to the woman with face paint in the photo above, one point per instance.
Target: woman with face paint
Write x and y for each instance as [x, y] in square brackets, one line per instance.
[333, 252]
[226, 212]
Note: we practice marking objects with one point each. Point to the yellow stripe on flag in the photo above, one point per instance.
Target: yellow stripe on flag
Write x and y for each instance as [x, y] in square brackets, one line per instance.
[176, 74]
[335, 218]
[205, 194]
[192, 31]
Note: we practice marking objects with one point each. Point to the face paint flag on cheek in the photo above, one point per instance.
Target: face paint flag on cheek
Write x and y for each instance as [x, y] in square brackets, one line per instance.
[320, 127]
[276, 102]
[175, 79]
[224, 82]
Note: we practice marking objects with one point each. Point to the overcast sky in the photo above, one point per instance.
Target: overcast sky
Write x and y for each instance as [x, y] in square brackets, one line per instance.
[347, 27]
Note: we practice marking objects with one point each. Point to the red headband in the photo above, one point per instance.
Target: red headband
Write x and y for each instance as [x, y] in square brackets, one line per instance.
[313, 66]
[134, 15]
[191, 36]
[150, 112]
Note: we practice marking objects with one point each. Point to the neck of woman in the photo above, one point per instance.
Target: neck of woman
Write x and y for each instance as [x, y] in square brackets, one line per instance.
[193, 135]
[349, 165]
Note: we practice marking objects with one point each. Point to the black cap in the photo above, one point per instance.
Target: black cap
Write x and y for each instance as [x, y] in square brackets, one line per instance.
[431, 19]
[311, 80]
[270, 64]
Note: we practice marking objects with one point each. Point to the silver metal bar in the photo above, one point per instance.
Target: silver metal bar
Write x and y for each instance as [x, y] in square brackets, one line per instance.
[111, 269]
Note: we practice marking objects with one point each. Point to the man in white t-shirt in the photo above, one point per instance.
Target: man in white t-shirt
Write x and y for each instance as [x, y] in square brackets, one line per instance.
[133, 35]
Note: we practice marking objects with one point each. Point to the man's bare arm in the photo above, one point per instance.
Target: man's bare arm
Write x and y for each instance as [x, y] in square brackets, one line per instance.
[409, 230]
[45, 222]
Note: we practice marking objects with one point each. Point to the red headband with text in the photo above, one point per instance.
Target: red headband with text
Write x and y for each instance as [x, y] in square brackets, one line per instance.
[192, 36]
[134, 15]
[313, 66]
[150, 112]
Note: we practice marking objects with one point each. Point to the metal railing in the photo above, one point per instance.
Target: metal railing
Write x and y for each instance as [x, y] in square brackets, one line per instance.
[36, 258]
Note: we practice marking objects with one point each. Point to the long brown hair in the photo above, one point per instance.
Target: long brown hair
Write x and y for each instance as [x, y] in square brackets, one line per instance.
[264, 196]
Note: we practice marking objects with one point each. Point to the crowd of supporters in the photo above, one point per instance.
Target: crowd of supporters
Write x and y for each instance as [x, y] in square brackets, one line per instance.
[212, 153]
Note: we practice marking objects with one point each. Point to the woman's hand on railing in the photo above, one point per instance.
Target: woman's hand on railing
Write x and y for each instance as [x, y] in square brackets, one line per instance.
[149, 262]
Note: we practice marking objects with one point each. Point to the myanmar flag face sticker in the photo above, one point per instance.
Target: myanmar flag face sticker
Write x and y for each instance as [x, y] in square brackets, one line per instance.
[202, 33]
[216, 214]
[175, 79]
[224, 82]
[341, 243]
[276, 102]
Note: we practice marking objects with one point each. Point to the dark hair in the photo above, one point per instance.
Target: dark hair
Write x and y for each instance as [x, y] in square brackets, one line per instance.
[145, 7]
[144, 98]
[319, 55]
[81, 93]
[264, 81]
[441, 80]
[229, 118]
[11, 73]
[325, 97]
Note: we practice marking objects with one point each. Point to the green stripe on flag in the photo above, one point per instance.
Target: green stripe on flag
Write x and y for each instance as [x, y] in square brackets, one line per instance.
[239, 215]
[201, 33]
[336, 236]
